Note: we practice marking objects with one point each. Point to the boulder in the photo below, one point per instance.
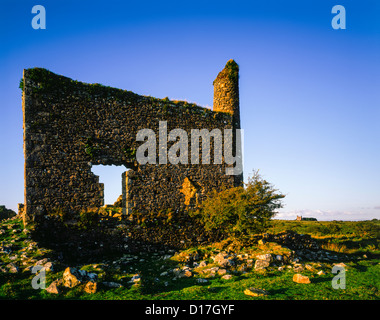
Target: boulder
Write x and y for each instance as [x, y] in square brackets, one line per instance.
[299, 278]
[54, 286]
[71, 277]
[90, 287]
[224, 260]
[261, 264]
[263, 261]
[265, 257]
[255, 292]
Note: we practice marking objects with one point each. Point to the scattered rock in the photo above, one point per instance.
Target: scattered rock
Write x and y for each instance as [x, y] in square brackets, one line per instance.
[90, 287]
[201, 280]
[298, 267]
[265, 257]
[298, 278]
[54, 286]
[341, 264]
[261, 264]
[224, 260]
[263, 261]
[187, 274]
[135, 278]
[41, 262]
[71, 277]
[187, 257]
[203, 264]
[255, 292]
[227, 276]
[112, 284]
[222, 272]
[310, 268]
[210, 271]
[12, 268]
[48, 266]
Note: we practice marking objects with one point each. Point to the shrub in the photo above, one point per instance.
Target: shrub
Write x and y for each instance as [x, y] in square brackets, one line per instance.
[241, 210]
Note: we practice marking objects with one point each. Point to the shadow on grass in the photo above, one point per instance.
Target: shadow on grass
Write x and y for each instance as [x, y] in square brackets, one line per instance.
[280, 291]
[216, 289]
[320, 280]
[360, 268]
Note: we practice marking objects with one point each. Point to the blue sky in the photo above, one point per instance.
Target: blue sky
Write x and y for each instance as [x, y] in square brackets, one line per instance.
[309, 94]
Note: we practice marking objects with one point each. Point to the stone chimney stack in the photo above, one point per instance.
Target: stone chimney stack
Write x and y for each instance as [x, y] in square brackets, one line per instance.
[226, 99]
[226, 91]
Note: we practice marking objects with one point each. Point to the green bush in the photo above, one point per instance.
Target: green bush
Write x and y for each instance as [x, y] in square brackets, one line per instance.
[240, 211]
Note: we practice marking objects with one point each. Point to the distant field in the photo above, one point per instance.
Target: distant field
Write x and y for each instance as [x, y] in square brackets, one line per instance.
[353, 237]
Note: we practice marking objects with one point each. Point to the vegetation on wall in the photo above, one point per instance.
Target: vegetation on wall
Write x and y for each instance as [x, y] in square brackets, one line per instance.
[21, 85]
[233, 68]
[90, 148]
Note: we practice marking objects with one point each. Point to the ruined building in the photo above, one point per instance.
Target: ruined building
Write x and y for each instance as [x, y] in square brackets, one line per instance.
[70, 126]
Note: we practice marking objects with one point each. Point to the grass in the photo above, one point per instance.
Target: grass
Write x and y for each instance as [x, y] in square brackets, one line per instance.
[353, 238]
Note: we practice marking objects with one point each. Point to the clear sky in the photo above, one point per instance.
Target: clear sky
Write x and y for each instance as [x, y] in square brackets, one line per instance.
[309, 94]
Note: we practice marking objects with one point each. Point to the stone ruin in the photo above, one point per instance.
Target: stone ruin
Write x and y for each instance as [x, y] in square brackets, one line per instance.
[69, 126]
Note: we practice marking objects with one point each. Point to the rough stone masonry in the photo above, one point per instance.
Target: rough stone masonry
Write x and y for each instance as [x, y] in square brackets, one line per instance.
[70, 126]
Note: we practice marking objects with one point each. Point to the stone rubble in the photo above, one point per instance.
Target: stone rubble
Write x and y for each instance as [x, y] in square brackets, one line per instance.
[195, 264]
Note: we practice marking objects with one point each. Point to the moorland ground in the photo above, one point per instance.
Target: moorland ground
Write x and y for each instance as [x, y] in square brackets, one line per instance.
[222, 270]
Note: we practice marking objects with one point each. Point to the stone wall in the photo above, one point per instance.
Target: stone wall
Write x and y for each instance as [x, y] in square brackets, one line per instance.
[70, 126]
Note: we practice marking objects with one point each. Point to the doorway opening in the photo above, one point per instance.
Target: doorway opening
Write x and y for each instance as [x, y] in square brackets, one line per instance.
[111, 177]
